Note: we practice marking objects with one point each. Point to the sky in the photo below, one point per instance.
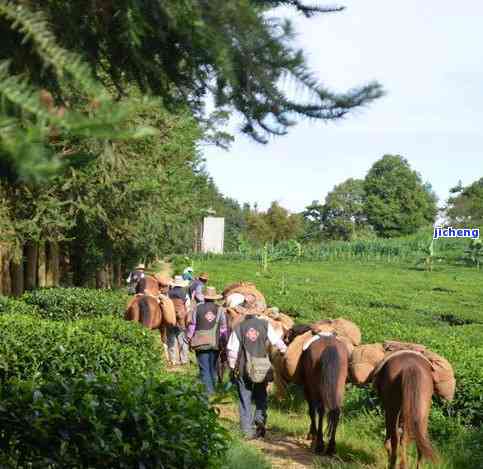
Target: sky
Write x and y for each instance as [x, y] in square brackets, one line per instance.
[429, 59]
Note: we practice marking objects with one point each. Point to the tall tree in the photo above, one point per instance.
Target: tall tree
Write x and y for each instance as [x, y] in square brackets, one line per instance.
[275, 225]
[312, 219]
[397, 203]
[465, 206]
[343, 211]
[238, 51]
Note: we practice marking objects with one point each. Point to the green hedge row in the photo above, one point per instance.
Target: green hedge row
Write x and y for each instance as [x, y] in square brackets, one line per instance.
[81, 387]
[69, 304]
[93, 421]
[32, 346]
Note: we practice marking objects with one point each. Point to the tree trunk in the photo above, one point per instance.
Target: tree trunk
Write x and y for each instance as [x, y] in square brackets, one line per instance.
[101, 278]
[117, 274]
[53, 260]
[6, 276]
[31, 255]
[42, 266]
[3, 255]
[16, 272]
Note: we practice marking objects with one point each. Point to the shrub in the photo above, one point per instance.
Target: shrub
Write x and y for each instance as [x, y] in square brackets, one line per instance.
[98, 421]
[75, 303]
[13, 306]
[30, 346]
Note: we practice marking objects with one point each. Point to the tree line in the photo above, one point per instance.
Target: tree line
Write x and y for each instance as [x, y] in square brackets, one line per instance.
[102, 114]
[391, 201]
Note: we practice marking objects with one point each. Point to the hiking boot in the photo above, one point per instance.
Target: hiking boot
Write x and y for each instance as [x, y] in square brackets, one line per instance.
[261, 430]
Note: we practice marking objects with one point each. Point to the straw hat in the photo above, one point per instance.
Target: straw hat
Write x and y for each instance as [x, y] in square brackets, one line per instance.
[211, 294]
[203, 276]
[163, 280]
[140, 267]
[179, 281]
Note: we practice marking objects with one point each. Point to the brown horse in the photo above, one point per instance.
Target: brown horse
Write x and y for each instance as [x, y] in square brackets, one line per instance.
[145, 309]
[405, 386]
[150, 286]
[324, 367]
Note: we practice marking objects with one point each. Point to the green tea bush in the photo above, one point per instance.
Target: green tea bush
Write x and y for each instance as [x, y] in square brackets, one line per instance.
[32, 346]
[98, 421]
[13, 306]
[68, 304]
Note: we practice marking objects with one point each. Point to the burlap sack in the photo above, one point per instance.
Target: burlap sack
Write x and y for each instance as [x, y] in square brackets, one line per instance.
[281, 318]
[341, 326]
[348, 329]
[167, 310]
[290, 368]
[443, 375]
[347, 342]
[279, 381]
[395, 346]
[364, 360]
[246, 288]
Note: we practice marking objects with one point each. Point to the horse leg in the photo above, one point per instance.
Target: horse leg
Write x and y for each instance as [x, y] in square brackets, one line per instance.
[333, 417]
[319, 447]
[403, 448]
[392, 434]
[313, 428]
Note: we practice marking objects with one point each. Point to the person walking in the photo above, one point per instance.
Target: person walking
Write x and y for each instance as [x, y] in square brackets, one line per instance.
[206, 332]
[134, 277]
[188, 274]
[251, 369]
[176, 335]
[196, 288]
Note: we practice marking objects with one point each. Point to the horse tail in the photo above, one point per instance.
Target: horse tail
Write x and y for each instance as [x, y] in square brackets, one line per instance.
[141, 286]
[145, 311]
[413, 420]
[330, 363]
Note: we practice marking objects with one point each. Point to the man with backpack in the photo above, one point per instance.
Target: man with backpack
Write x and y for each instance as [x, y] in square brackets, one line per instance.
[196, 288]
[251, 369]
[206, 333]
[176, 336]
[134, 277]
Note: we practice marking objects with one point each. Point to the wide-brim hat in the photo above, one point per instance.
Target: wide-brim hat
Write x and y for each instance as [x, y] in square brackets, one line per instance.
[179, 281]
[140, 267]
[203, 276]
[211, 294]
[164, 280]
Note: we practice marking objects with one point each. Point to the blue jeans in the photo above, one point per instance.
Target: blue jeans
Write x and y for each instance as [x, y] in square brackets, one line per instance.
[207, 364]
[248, 391]
[177, 346]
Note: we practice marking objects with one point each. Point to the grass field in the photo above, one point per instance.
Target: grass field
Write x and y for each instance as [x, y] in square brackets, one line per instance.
[441, 309]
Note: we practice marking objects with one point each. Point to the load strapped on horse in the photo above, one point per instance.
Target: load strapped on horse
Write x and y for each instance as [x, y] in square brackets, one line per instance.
[243, 297]
[151, 306]
[287, 368]
[369, 359]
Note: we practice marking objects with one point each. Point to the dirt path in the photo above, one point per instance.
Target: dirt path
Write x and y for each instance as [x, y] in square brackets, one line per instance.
[282, 451]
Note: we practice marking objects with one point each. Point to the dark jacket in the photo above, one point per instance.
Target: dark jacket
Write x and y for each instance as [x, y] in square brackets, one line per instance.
[252, 333]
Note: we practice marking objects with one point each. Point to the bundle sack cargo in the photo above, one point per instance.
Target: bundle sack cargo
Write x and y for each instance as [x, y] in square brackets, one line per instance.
[345, 331]
[283, 319]
[168, 310]
[367, 360]
[245, 288]
[342, 327]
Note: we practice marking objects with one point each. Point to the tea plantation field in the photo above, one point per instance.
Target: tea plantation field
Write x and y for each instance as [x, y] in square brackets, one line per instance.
[440, 309]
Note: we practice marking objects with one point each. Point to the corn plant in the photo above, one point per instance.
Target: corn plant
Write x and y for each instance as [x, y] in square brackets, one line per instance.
[474, 252]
